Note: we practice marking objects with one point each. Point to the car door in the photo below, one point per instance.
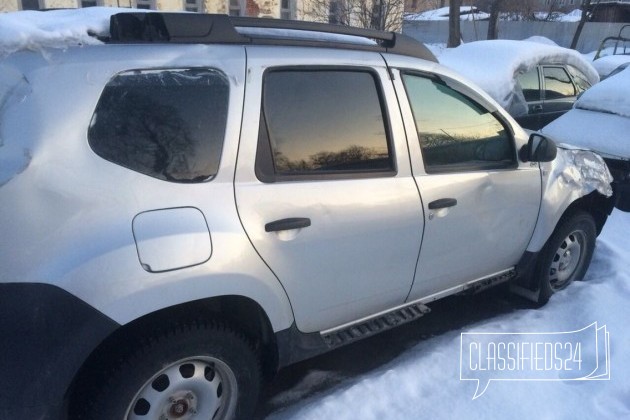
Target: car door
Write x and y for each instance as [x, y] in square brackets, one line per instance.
[323, 183]
[559, 93]
[480, 202]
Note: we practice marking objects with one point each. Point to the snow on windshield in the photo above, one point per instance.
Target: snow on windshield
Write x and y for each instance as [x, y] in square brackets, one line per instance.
[611, 95]
[494, 64]
[600, 119]
[55, 28]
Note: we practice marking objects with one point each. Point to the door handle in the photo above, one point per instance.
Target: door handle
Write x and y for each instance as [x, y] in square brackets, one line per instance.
[442, 203]
[288, 224]
[536, 108]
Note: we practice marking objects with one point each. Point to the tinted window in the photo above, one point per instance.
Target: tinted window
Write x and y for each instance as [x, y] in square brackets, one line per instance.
[557, 83]
[530, 84]
[456, 133]
[168, 124]
[324, 122]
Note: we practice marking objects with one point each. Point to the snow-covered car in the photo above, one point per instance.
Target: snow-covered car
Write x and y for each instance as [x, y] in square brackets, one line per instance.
[600, 121]
[536, 82]
[190, 202]
[610, 65]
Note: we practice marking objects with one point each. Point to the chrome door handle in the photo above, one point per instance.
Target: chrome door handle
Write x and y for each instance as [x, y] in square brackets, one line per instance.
[288, 224]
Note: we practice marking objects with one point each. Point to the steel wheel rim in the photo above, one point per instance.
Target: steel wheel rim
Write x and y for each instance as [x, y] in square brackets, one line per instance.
[192, 388]
[567, 260]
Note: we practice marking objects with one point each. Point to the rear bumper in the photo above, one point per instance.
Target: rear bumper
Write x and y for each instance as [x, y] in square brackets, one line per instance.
[47, 335]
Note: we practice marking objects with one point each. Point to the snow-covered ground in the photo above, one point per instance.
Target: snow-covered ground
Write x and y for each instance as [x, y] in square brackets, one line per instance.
[424, 381]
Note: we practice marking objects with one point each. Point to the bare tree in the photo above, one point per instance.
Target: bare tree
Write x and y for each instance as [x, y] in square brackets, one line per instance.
[493, 22]
[375, 14]
[454, 32]
[588, 7]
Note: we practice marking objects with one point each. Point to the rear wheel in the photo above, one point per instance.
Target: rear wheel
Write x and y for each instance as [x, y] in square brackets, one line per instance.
[567, 254]
[199, 371]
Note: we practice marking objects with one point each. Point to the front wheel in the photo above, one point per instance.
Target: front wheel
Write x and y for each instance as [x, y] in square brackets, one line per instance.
[567, 254]
[196, 371]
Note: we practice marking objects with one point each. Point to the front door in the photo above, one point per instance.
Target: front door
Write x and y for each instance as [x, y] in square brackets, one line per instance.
[481, 204]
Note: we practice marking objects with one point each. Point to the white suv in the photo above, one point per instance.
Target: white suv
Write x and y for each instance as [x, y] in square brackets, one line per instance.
[202, 200]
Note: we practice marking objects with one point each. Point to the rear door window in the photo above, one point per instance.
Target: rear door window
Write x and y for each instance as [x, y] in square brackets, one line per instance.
[322, 122]
[167, 124]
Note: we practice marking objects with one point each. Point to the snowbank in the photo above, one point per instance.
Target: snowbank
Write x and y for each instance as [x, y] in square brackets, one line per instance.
[424, 381]
[494, 64]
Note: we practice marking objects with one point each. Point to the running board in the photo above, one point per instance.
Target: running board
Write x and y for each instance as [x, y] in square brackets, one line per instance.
[488, 282]
[367, 327]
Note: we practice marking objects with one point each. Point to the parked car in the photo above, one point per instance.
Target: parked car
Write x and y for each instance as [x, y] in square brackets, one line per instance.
[200, 200]
[535, 82]
[600, 121]
[613, 54]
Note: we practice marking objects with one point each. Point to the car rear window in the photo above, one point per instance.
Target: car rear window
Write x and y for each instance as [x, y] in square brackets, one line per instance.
[168, 124]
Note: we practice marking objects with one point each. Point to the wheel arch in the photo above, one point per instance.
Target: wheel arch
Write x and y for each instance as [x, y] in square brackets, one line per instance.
[240, 313]
[595, 204]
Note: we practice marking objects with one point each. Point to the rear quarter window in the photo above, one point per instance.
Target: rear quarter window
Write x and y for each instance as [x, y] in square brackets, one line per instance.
[167, 124]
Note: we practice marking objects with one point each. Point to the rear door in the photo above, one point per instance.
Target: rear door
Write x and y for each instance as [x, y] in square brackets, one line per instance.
[323, 183]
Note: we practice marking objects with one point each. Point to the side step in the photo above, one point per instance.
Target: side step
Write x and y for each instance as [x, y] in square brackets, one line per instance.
[366, 327]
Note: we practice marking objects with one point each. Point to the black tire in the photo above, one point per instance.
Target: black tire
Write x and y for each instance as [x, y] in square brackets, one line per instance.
[567, 254]
[205, 369]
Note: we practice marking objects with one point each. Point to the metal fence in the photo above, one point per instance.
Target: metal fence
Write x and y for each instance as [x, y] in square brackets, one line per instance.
[435, 32]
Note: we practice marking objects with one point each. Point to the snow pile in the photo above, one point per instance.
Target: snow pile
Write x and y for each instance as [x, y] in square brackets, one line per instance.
[608, 63]
[465, 13]
[600, 119]
[573, 16]
[55, 28]
[424, 382]
[493, 65]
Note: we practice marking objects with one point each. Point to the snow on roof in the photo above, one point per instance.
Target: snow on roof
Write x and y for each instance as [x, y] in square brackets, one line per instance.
[600, 119]
[608, 63]
[465, 13]
[55, 28]
[494, 64]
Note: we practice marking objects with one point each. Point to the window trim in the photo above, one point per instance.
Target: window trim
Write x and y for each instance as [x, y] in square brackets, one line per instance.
[264, 166]
[463, 167]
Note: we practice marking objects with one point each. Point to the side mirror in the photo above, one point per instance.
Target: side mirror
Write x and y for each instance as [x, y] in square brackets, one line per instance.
[539, 149]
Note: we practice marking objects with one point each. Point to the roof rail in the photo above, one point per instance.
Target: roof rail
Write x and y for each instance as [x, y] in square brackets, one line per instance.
[190, 28]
